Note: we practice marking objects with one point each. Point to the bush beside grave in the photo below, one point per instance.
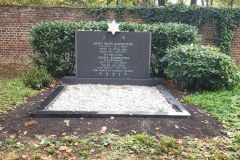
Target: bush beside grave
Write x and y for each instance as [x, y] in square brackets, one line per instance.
[200, 67]
[36, 77]
[54, 41]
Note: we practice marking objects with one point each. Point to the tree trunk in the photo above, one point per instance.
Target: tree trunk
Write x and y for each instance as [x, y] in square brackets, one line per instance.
[207, 3]
[161, 2]
[211, 3]
[231, 3]
[193, 2]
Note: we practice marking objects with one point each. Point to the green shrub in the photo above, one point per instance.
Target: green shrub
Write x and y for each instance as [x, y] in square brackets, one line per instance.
[54, 41]
[54, 44]
[200, 67]
[36, 78]
[164, 36]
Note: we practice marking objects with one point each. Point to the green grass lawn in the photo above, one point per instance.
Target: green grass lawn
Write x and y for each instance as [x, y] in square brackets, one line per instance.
[12, 93]
[224, 105]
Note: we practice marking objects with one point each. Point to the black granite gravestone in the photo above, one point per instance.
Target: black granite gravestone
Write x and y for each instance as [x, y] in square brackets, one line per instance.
[104, 58]
[103, 55]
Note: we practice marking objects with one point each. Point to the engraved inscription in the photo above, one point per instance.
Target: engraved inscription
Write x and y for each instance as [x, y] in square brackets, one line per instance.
[113, 59]
[100, 54]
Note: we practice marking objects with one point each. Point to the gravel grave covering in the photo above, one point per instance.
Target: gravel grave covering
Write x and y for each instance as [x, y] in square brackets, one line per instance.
[89, 97]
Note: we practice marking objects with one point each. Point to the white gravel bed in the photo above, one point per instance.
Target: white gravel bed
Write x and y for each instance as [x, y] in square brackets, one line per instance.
[89, 97]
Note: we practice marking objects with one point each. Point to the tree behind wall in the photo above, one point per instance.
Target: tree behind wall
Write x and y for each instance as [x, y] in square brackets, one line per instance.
[161, 2]
[193, 2]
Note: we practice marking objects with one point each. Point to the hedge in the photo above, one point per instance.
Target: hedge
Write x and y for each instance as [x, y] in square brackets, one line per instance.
[55, 41]
[200, 67]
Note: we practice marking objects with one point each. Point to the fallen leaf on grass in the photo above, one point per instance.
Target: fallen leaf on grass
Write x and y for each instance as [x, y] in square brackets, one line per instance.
[62, 148]
[176, 126]
[65, 148]
[24, 156]
[30, 123]
[69, 150]
[229, 133]
[103, 130]
[36, 145]
[76, 143]
[18, 143]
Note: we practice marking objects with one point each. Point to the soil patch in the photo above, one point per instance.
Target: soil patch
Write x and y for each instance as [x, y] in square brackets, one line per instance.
[199, 125]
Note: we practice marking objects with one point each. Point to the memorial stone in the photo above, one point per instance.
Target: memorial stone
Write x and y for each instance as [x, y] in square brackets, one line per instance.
[100, 54]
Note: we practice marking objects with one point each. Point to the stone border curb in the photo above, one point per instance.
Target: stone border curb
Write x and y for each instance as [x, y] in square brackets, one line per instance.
[40, 112]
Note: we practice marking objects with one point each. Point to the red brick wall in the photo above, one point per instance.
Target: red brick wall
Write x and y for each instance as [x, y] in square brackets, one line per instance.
[15, 22]
[206, 33]
[236, 46]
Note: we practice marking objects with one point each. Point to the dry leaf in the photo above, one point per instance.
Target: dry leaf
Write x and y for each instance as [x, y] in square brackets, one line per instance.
[68, 150]
[133, 131]
[62, 148]
[111, 117]
[157, 128]
[205, 121]
[66, 122]
[229, 133]
[59, 156]
[30, 123]
[63, 134]
[42, 142]
[25, 133]
[184, 128]
[76, 143]
[103, 130]
[51, 136]
[36, 145]
[13, 136]
[24, 156]
[176, 126]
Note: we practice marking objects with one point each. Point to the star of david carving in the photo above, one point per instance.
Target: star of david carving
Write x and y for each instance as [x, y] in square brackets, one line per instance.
[113, 27]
